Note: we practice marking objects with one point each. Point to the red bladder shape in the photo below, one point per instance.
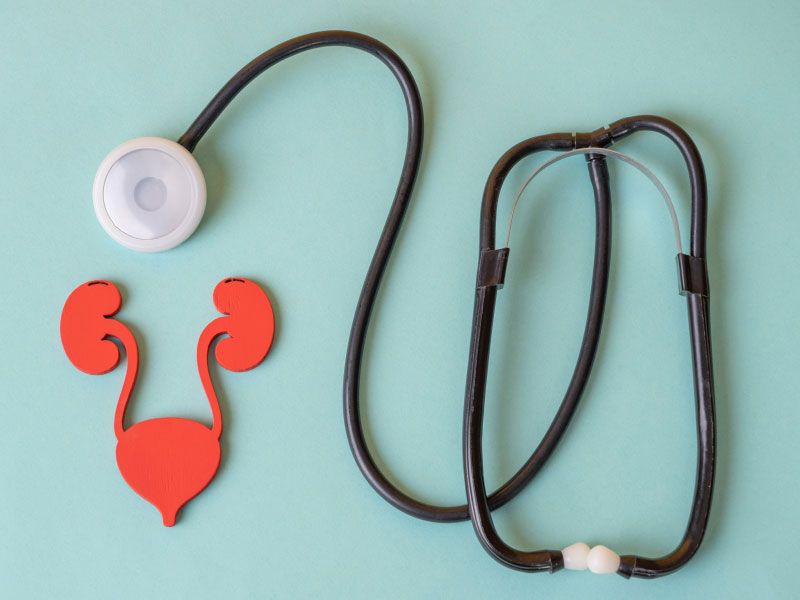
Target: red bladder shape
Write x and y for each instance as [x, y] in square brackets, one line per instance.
[167, 461]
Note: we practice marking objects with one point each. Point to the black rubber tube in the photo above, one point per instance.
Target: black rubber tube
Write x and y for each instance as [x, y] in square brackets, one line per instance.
[477, 372]
[355, 348]
[700, 336]
[540, 560]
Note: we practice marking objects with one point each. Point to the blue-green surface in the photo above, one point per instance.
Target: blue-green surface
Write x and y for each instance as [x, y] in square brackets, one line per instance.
[300, 172]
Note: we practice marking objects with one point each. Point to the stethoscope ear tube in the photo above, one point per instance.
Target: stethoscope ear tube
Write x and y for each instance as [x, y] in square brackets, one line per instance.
[700, 333]
[693, 281]
[487, 285]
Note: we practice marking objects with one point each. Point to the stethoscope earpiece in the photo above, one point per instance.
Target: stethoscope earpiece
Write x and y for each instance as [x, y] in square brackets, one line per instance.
[149, 194]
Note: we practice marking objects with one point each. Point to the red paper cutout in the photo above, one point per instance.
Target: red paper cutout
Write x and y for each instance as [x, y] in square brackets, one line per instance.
[167, 461]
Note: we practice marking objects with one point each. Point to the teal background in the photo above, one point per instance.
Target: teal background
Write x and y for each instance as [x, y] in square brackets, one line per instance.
[300, 173]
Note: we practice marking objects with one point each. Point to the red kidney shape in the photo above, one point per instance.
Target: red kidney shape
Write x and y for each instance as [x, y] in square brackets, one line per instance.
[250, 323]
[84, 326]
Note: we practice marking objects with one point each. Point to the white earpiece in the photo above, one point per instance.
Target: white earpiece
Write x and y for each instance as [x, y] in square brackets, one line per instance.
[149, 194]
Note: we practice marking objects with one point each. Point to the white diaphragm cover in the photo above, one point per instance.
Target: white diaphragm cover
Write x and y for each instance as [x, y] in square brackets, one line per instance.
[149, 194]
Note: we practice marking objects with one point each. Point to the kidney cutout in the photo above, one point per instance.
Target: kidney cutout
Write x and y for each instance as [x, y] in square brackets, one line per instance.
[250, 323]
[85, 326]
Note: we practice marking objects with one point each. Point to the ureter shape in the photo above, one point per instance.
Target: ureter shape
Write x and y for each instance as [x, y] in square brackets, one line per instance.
[355, 348]
[697, 300]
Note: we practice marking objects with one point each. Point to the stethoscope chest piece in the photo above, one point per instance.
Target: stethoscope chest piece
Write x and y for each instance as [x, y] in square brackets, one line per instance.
[149, 194]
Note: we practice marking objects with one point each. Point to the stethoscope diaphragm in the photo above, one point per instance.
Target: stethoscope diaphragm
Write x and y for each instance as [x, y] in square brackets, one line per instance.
[149, 194]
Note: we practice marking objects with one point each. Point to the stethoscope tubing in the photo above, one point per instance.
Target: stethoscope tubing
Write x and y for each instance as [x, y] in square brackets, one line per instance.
[355, 347]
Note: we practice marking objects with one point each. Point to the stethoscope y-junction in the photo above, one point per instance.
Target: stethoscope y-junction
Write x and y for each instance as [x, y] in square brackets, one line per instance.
[149, 195]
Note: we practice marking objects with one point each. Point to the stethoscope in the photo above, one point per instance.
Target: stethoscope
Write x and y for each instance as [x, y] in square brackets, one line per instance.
[149, 195]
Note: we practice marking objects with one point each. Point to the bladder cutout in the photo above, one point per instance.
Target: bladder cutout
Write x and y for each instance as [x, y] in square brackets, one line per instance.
[168, 460]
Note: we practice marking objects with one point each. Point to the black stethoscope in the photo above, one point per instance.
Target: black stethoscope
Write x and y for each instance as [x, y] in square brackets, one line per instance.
[127, 201]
